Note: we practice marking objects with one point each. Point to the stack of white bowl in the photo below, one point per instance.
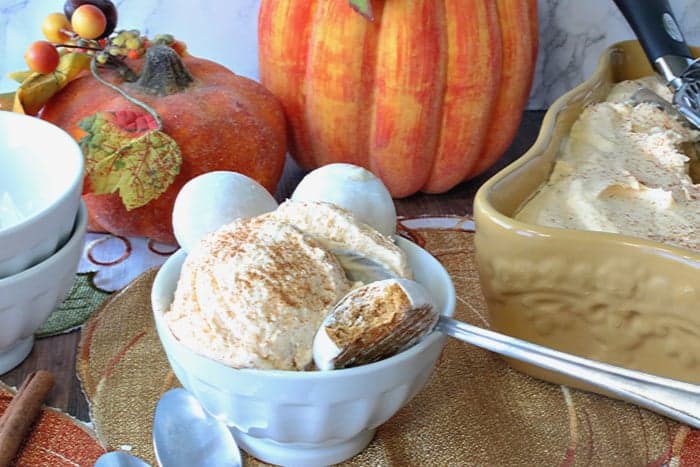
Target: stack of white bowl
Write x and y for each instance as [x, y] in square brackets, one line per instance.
[42, 227]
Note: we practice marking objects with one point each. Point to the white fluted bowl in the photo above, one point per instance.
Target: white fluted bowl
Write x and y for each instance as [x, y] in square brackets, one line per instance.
[41, 178]
[314, 417]
[28, 298]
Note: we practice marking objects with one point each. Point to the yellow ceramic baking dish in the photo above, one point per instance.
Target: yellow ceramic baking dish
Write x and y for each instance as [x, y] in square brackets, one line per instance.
[609, 297]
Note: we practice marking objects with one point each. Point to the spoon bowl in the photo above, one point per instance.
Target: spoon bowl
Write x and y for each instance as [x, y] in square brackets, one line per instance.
[360, 268]
[119, 459]
[184, 434]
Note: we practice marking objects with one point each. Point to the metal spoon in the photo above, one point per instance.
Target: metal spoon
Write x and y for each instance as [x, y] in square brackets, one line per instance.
[184, 434]
[120, 459]
[674, 399]
[360, 268]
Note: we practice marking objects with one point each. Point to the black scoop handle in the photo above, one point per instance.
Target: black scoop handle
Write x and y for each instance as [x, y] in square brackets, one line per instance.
[656, 27]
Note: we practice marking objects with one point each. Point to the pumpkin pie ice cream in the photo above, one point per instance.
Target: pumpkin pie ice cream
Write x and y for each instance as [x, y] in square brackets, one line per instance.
[253, 294]
[625, 168]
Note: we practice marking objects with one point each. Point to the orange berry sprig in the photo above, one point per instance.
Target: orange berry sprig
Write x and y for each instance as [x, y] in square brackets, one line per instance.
[78, 27]
[87, 26]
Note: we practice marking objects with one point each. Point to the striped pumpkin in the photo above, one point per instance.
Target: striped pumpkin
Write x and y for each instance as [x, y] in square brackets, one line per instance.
[428, 94]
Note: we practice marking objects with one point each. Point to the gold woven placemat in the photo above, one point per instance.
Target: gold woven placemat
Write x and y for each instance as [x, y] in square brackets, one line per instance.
[475, 409]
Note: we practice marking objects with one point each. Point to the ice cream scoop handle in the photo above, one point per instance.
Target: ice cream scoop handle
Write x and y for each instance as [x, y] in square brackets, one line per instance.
[674, 399]
[656, 27]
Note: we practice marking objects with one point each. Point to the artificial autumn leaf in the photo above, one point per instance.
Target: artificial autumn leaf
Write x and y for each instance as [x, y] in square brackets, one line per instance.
[19, 76]
[125, 151]
[38, 88]
[364, 7]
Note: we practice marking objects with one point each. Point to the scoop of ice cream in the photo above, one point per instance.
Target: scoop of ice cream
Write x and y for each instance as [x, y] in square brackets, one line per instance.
[624, 168]
[341, 232]
[253, 293]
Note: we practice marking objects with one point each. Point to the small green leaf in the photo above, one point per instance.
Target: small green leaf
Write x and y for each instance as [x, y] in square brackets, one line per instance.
[139, 161]
[364, 7]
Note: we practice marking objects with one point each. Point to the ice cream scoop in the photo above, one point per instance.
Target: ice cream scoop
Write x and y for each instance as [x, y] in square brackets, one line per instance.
[658, 31]
[379, 319]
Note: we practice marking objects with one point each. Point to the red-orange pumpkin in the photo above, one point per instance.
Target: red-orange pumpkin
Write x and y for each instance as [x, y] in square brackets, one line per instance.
[220, 121]
[427, 95]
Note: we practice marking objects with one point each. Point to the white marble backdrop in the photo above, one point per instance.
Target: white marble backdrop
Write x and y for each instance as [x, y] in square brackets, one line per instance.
[572, 34]
[221, 30]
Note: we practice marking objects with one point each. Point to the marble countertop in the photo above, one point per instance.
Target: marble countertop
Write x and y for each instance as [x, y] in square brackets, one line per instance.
[573, 33]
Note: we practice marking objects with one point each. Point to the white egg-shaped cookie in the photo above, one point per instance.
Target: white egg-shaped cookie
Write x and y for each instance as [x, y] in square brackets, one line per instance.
[214, 199]
[353, 188]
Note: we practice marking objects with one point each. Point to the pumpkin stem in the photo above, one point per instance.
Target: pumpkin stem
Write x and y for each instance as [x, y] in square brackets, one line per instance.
[163, 72]
[363, 7]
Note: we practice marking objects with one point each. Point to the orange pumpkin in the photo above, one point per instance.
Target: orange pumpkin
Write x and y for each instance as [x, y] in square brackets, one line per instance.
[220, 121]
[426, 95]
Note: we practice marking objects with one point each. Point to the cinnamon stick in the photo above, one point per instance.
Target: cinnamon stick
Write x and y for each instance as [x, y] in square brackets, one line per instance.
[21, 413]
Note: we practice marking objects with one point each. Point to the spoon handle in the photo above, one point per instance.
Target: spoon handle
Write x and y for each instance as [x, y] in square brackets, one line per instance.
[674, 399]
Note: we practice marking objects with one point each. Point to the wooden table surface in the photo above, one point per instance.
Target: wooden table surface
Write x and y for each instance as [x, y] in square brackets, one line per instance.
[57, 353]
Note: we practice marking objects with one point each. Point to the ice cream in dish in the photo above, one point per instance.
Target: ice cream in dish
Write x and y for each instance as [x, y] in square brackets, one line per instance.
[254, 292]
[625, 168]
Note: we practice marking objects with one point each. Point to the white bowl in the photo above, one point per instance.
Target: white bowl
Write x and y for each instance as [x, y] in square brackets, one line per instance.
[41, 174]
[313, 417]
[28, 298]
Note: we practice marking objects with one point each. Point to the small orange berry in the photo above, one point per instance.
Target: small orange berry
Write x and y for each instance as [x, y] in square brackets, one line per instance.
[56, 28]
[42, 57]
[88, 21]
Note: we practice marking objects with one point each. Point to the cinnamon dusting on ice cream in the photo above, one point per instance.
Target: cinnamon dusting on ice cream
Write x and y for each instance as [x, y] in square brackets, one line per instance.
[624, 169]
[253, 294]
